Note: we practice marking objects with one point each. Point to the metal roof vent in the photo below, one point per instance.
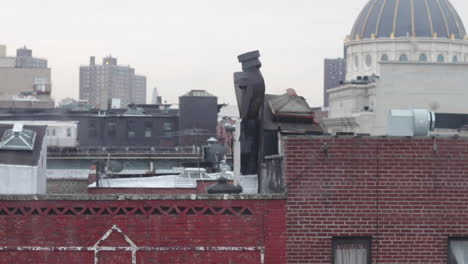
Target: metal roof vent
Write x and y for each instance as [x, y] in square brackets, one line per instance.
[18, 138]
[409, 123]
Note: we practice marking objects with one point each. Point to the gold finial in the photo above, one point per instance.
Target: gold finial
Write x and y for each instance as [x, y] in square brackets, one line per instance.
[452, 36]
[372, 36]
[466, 37]
[434, 35]
[347, 39]
[358, 37]
[392, 36]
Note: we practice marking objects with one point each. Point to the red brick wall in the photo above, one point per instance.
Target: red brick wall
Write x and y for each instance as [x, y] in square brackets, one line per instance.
[156, 231]
[408, 194]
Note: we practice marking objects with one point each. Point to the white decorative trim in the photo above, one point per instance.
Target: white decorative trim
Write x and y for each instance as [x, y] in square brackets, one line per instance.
[133, 248]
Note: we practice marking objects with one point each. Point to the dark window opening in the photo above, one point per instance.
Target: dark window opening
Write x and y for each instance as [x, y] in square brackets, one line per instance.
[92, 129]
[403, 57]
[167, 126]
[112, 128]
[131, 129]
[441, 58]
[148, 129]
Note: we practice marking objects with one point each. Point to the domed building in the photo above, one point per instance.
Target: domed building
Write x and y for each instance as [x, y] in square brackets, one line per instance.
[401, 54]
[405, 30]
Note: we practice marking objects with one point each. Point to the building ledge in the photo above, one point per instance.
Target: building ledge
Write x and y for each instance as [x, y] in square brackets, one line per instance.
[140, 197]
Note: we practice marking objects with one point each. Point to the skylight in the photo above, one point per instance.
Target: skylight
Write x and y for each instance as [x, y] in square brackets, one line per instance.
[18, 138]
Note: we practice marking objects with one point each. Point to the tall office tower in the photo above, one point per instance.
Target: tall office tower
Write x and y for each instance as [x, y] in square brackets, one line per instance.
[139, 89]
[102, 84]
[24, 75]
[334, 73]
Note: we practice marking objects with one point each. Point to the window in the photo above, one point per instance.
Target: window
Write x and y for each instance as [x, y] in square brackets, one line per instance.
[167, 126]
[352, 250]
[455, 59]
[384, 57]
[53, 132]
[423, 58]
[403, 57]
[148, 129]
[92, 129]
[458, 250]
[131, 129]
[205, 176]
[112, 128]
[440, 58]
[195, 175]
[368, 60]
[356, 62]
[68, 132]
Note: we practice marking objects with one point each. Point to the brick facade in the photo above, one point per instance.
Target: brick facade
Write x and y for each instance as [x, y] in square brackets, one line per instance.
[408, 194]
[116, 229]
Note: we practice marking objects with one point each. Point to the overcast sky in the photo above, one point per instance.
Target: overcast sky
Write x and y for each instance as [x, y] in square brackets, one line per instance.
[186, 44]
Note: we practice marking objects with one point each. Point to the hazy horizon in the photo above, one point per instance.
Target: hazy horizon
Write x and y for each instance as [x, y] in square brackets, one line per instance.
[184, 45]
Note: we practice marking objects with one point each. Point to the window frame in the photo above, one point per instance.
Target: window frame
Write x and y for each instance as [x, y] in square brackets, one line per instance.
[92, 129]
[450, 239]
[440, 58]
[405, 56]
[356, 62]
[148, 128]
[367, 239]
[422, 55]
[131, 129]
[168, 126]
[369, 61]
[109, 124]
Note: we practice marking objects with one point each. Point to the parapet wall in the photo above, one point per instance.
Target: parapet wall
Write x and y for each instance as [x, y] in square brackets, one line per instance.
[130, 229]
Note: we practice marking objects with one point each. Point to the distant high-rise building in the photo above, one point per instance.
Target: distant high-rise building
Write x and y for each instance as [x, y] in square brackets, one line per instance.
[156, 99]
[334, 73]
[99, 84]
[24, 75]
[139, 90]
[24, 59]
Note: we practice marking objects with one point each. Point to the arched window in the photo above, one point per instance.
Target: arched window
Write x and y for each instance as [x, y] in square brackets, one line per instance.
[403, 57]
[440, 58]
[423, 58]
[368, 60]
[454, 59]
[384, 57]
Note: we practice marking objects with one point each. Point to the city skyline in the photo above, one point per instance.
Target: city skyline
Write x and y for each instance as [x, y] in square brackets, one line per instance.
[185, 45]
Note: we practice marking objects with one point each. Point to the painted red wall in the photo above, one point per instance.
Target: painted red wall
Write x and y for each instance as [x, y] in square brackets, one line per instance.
[408, 194]
[159, 231]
